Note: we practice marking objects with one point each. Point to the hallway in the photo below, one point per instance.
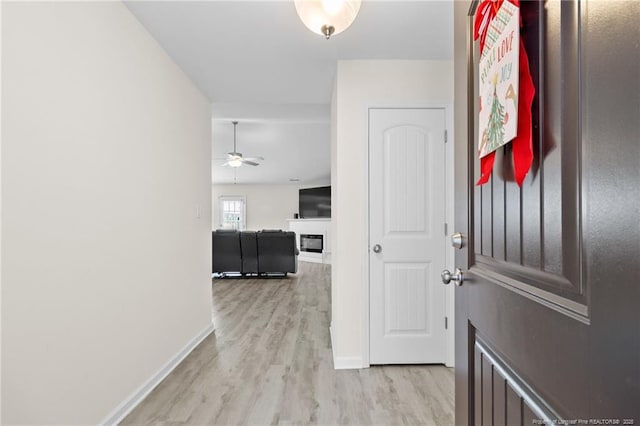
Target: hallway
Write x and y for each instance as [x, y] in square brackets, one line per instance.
[270, 362]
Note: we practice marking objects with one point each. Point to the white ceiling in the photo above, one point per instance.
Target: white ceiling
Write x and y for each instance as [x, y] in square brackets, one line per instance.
[258, 63]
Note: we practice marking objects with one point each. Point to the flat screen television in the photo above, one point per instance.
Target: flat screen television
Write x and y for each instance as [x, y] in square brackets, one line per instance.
[315, 202]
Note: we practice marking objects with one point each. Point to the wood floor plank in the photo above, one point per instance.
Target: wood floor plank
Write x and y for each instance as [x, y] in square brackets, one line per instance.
[270, 362]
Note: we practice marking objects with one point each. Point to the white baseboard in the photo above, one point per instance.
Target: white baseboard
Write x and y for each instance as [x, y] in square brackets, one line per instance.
[345, 362]
[126, 406]
[333, 348]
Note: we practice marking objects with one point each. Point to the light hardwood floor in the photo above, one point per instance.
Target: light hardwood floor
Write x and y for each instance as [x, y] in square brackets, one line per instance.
[270, 362]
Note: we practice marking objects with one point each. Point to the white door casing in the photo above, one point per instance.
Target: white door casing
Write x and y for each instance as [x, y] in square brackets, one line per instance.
[407, 216]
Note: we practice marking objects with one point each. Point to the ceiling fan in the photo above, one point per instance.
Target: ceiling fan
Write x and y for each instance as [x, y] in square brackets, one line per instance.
[235, 158]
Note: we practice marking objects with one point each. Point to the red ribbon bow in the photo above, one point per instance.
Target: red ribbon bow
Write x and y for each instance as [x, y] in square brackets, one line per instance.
[523, 142]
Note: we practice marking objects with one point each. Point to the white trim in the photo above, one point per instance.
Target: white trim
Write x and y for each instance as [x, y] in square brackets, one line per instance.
[450, 292]
[348, 363]
[1, 212]
[366, 297]
[449, 217]
[132, 401]
[345, 362]
[333, 348]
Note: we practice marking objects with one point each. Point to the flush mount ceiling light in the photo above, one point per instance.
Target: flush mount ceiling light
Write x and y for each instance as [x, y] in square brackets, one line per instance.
[327, 17]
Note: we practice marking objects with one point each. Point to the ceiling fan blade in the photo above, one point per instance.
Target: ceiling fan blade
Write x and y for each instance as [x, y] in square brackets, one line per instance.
[254, 158]
[250, 163]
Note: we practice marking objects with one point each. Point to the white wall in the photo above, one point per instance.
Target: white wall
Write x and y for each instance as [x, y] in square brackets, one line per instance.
[360, 85]
[106, 157]
[1, 211]
[268, 206]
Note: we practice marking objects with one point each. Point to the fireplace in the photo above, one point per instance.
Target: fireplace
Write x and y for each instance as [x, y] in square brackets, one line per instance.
[311, 243]
[314, 239]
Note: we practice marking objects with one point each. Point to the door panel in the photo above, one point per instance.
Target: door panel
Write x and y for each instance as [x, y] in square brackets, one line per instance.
[406, 153]
[405, 296]
[406, 186]
[539, 235]
[544, 329]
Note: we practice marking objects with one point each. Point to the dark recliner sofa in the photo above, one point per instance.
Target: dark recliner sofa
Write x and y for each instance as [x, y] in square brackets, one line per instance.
[226, 248]
[249, 245]
[277, 252]
[262, 253]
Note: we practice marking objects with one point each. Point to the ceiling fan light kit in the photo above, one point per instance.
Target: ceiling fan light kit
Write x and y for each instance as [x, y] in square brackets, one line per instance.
[234, 162]
[327, 17]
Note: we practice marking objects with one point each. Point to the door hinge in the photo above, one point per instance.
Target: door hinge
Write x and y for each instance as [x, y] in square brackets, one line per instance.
[446, 137]
[446, 323]
[446, 229]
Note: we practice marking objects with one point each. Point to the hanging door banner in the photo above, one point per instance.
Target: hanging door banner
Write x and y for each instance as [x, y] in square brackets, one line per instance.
[499, 77]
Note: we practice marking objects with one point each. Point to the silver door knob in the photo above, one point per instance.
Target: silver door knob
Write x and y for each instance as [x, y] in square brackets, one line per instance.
[457, 277]
[377, 248]
[457, 240]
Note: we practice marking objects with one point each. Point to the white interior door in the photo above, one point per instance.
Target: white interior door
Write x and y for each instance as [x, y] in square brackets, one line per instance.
[407, 235]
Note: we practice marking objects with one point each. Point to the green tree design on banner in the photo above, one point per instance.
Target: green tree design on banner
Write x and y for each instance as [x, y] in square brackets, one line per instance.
[495, 128]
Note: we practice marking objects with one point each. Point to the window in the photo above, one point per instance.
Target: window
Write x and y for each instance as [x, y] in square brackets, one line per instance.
[232, 212]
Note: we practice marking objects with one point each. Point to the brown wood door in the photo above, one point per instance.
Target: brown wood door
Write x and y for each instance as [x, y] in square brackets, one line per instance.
[548, 318]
